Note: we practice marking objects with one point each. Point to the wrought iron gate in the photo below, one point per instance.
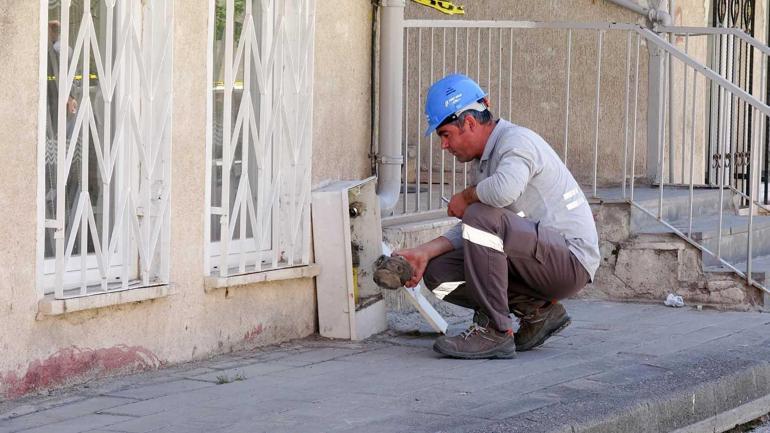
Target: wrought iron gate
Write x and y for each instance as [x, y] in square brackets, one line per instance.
[734, 59]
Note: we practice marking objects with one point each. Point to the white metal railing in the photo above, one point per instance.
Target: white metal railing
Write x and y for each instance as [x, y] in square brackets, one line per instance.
[743, 60]
[259, 135]
[600, 87]
[104, 153]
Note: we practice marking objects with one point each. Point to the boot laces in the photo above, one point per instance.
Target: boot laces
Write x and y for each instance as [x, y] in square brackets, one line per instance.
[473, 329]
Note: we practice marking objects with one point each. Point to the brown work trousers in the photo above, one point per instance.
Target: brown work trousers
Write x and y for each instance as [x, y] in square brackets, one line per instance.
[508, 263]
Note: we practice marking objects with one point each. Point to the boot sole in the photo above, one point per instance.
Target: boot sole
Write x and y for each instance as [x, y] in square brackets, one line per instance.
[548, 335]
[497, 353]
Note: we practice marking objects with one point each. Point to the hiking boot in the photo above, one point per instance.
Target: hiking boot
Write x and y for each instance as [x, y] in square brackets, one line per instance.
[535, 328]
[478, 342]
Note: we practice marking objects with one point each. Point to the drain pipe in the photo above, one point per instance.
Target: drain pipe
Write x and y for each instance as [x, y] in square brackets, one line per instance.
[656, 16]
[389, 155]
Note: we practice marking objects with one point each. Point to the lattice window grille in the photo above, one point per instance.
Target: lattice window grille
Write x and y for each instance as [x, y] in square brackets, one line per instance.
[260, 135]
[105, 226]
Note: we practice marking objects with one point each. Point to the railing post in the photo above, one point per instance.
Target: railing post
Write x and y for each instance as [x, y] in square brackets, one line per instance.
[389, 157]
[656, 98]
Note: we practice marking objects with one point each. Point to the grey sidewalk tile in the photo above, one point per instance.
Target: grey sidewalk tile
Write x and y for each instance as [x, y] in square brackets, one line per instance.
[408, 422]
[157, 422]
[628, 374]
[27, 422]
[185, 374]
[505, 408]
[244, 371]
[315, 356]
[85, 407]
[78, 425]
[676, 343]
[161, 389]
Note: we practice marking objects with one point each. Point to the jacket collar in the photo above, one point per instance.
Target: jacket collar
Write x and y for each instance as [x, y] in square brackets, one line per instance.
[494, 137]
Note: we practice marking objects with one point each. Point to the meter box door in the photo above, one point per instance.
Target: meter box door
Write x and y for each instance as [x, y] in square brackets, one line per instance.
[347, 239]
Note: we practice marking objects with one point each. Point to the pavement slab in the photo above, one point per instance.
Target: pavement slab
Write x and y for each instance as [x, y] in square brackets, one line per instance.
[620, 367]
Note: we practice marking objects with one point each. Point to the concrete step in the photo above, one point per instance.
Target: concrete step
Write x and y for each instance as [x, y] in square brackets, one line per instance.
[760, 267]
[676, 202]
[705, 229]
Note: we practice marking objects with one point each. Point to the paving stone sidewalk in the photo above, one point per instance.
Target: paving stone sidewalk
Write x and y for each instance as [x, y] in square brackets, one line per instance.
[617, 368]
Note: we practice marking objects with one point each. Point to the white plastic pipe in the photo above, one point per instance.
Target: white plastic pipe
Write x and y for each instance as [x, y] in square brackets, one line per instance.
[656, 16]
[389, 155]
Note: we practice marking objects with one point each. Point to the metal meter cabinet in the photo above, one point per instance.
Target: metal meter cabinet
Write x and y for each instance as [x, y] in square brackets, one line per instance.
[347, 238]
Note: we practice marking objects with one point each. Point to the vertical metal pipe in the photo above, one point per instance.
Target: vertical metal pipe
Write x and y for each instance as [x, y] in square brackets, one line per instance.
[443, 69]
[489, 61]
[752, 192]
[85, 147]
[721, 171]
[61, 146]
[671, 147]
[661, 137]
[625, 116]
[567, 96]
[246, 94]
[600, 45]
[454, 160]
[106, 157]
[636, 112]
[684, 104]
[405, 186]
[762, 151]
[390, 104]
[500, 69]
[430, 138]
[692, 148]
[510, 78]
[417, 163]
[227, 118]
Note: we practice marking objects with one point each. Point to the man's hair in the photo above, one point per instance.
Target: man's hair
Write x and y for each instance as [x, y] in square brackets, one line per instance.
[482, 117]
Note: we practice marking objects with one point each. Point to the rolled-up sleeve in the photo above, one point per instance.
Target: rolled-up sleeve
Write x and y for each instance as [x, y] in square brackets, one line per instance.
[455, 235]
[514, 171]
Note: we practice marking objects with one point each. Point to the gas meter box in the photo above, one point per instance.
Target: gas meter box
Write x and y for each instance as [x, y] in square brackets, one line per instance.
[347, 238]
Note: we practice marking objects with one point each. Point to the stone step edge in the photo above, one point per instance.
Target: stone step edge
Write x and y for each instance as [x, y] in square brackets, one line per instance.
[647, 414]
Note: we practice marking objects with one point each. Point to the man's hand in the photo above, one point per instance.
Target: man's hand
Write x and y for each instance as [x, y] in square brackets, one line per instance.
[418, 258]
[460, 201]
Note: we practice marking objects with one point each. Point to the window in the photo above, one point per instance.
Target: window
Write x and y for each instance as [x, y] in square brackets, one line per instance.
[259, 136]
[104, 155]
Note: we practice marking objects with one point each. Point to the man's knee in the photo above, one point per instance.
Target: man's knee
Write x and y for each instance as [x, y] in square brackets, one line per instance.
[481, 214]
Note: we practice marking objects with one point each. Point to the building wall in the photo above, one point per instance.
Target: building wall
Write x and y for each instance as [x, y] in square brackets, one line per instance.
[342, 110]
[42, 351]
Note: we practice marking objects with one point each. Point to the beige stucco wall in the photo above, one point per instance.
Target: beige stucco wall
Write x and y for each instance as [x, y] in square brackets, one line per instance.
[46, 351]
[342, 102]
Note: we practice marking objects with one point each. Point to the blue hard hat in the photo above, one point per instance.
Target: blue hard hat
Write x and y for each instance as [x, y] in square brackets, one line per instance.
[450, 96]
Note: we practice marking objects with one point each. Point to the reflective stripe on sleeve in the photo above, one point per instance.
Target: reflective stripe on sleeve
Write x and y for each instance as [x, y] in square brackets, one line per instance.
[575, 203]
[480, 237]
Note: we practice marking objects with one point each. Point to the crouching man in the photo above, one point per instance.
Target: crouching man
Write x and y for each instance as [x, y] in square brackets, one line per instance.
[526, 238]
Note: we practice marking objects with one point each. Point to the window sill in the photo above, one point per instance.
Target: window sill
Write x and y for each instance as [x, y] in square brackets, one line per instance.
[49, 306]
[213, 283]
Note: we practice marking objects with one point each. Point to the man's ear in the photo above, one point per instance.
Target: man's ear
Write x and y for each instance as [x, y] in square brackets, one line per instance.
[470, 122]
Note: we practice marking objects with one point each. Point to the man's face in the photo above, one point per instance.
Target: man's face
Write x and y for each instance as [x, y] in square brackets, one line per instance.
[456, 141]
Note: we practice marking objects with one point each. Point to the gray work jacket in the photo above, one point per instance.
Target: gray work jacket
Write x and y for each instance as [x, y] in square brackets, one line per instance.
[519, 171]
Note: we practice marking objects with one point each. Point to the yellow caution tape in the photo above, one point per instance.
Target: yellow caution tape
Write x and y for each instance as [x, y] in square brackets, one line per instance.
[77, 77]
[444, 6]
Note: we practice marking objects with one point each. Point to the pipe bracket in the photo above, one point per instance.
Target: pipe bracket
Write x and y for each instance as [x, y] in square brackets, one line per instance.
[393, 3]
[388, 159]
